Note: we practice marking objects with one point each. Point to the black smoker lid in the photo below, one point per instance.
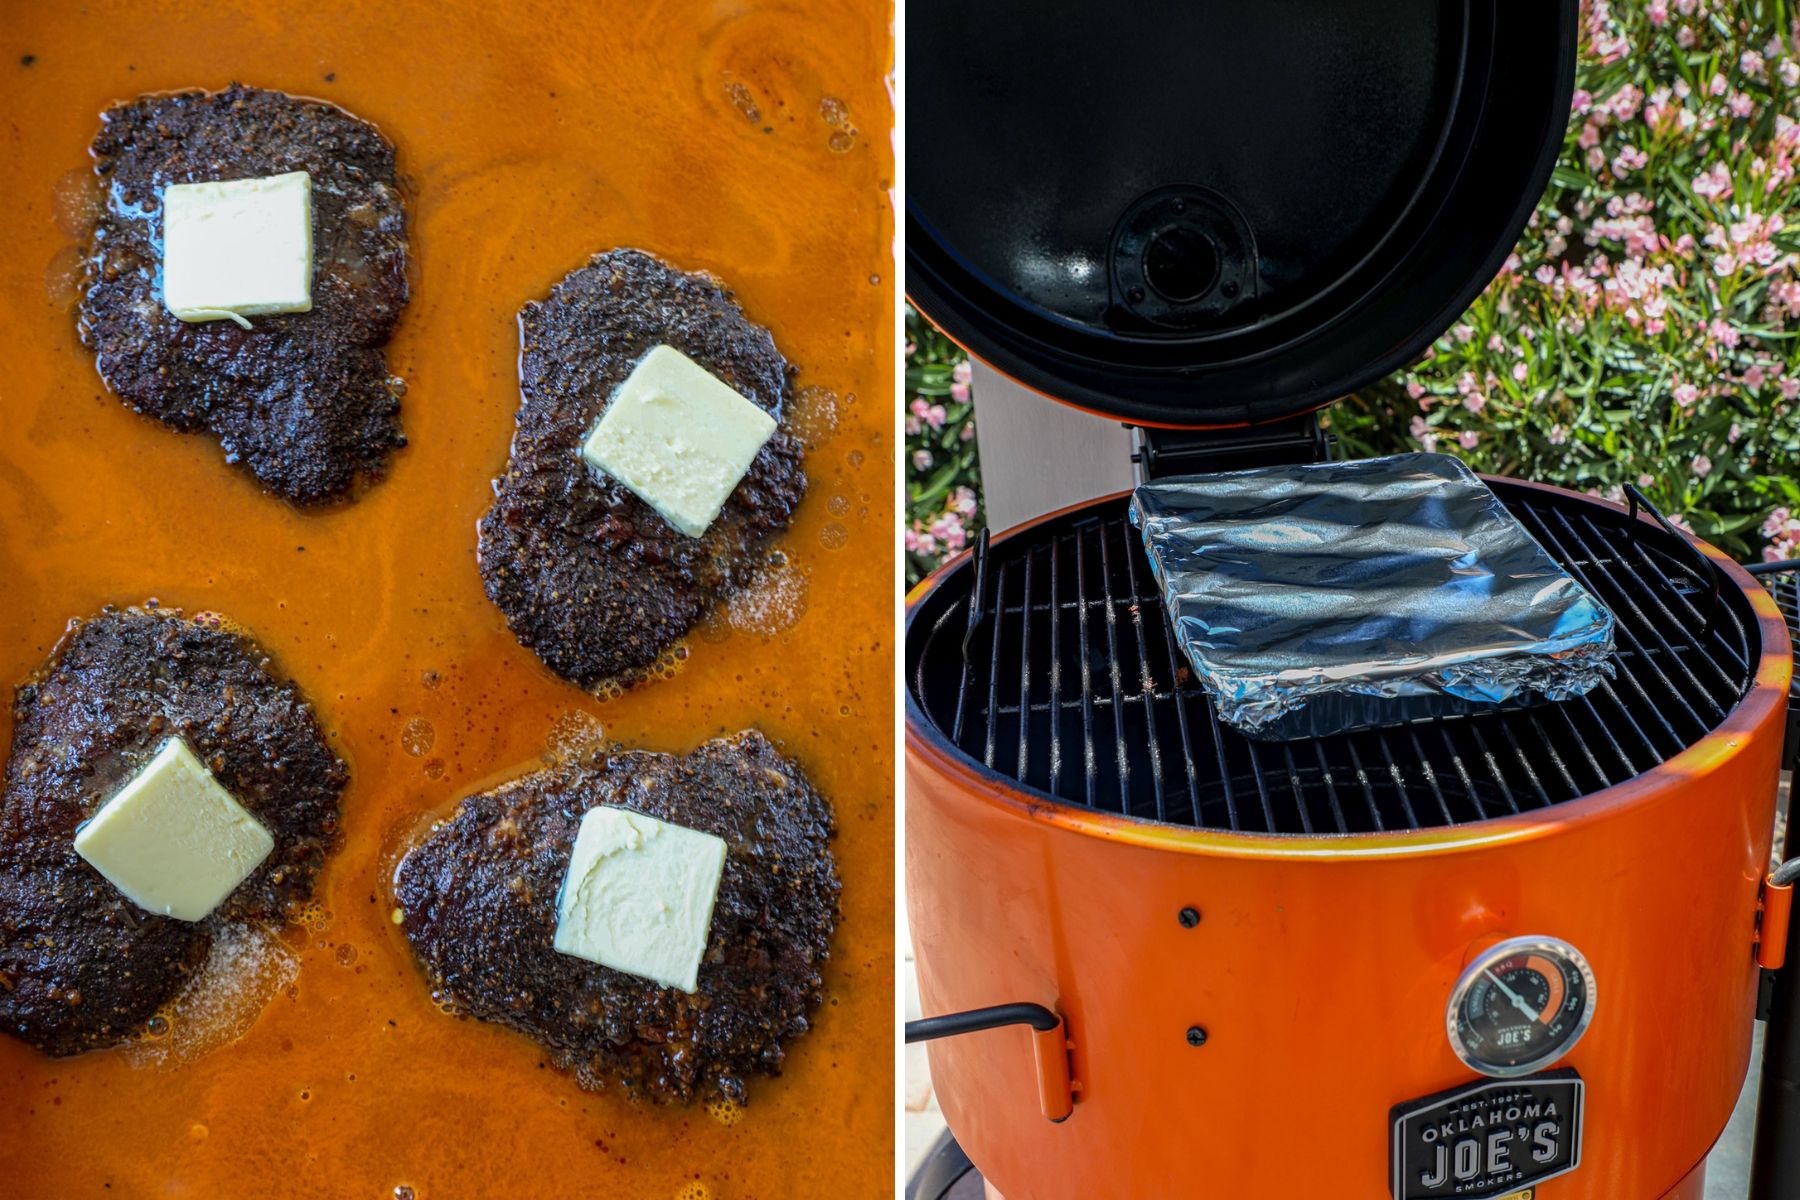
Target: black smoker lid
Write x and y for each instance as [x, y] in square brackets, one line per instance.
[1211, 212]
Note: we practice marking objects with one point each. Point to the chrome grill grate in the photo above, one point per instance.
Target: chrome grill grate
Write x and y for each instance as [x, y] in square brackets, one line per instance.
[1050, 662]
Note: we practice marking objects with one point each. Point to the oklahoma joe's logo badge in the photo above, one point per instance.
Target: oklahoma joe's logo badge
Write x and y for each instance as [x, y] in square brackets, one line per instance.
[1487, 1139]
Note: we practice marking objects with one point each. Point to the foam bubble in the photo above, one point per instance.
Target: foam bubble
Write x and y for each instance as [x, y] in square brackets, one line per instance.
[725, 1111]
[313, 916]
[62, 277]
[774, 601]
[574, 735]
[743, 101]
[695, 1190]
[247, 967]
[417, 737]
[813, 416]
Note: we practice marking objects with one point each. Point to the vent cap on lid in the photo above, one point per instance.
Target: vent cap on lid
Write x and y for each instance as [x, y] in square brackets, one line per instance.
[1195, 214]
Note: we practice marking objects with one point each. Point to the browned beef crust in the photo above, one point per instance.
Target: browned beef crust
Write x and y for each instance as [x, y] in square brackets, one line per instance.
[479, 897]
[588, 576]
[80, 965]
[303, 401]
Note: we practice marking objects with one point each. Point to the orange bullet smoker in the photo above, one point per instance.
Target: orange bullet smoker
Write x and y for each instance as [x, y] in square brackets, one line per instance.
[1512, 954]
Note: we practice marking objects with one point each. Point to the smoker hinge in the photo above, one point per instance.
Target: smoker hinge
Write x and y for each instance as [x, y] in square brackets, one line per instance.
[1775, 906]
[1161, 453]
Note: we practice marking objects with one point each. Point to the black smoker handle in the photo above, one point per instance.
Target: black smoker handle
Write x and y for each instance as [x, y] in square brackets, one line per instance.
[1049, 1044]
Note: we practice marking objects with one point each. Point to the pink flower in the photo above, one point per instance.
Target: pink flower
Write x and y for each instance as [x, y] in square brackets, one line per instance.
[1475, 402]
[921, 460]
[1717, 85]
[1519, 372]
[1783, 531]
[1629, 159]
[959, 392]
[1789, 71]
[1463, 332]
[1686, 394]
[1740, 104]
[962, 372]
[1734, 433]
[1755, 377]
[1684, 37]
[1424, 435]
[963, 500]
[1658, 12]
[1790, 387]
[1714, 184]
[1558, 435]
[947, 527]
[1468, 439]
[1414, 388]
[1702, 466]
[1751, 64]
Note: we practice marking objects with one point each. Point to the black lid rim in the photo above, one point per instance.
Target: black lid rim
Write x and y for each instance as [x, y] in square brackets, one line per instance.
[1213, 396]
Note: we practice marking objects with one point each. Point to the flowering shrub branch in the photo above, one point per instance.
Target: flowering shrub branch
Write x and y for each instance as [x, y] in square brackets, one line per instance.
[943, 473]
[1644, 328]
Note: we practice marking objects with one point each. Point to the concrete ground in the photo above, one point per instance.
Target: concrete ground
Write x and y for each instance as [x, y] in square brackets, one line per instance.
[1728, 1169]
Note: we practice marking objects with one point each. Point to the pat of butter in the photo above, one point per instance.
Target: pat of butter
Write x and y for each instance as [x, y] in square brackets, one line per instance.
[678, 437]
[238, 249]
[639, 896]
[172, 839]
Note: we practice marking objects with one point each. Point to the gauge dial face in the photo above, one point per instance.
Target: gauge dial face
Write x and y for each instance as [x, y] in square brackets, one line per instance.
[1520, 1005]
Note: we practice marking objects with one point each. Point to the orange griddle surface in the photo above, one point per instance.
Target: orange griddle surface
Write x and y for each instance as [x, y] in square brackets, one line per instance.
[751, 140]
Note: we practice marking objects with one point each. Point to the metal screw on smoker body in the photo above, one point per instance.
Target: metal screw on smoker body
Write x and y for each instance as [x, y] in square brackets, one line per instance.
[1190, 917]
[1196, 1036]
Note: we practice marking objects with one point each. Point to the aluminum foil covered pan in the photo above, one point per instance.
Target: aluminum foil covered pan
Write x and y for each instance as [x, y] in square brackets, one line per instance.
[1318, 599]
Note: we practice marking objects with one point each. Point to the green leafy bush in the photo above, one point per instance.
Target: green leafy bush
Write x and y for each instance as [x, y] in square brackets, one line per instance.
[1643, 330]
[943, 474]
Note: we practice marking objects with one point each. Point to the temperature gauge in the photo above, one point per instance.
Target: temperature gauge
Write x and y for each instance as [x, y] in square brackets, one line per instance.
[1520, 1006]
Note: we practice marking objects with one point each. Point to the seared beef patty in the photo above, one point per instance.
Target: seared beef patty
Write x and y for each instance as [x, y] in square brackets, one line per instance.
[303, 400]
[479, 896]
[81, 966]
[589, 576]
